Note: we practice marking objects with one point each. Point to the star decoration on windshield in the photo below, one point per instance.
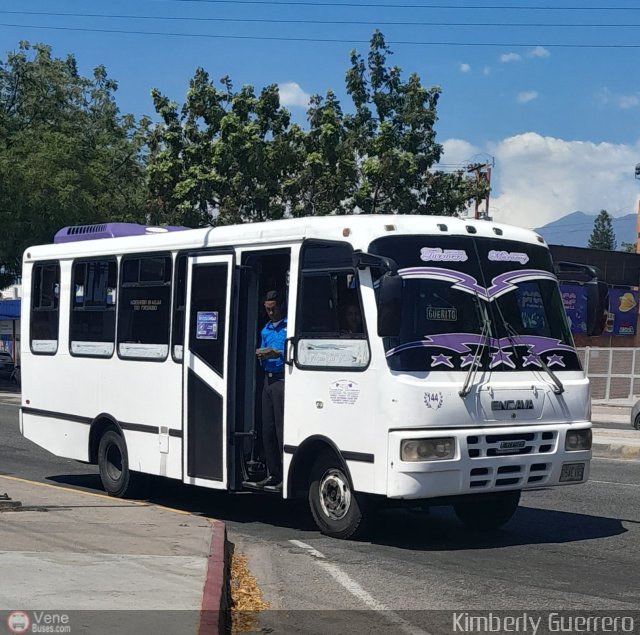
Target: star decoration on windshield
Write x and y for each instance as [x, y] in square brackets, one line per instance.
[555, 360]
[531, 360]
[437, 360]
[467, 360]
[500, 357]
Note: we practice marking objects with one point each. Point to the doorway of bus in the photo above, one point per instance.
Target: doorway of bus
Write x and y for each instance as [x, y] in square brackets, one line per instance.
[260, 272]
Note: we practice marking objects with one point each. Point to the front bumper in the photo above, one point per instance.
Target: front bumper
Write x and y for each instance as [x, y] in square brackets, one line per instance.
[482, 465]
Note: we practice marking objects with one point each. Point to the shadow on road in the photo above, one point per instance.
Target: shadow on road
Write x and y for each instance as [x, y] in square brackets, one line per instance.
[439, 530]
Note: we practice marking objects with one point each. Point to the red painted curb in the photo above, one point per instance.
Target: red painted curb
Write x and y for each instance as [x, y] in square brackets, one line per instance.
[213, 612]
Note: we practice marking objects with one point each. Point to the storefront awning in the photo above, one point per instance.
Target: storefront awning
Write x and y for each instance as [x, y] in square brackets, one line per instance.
[10, 310]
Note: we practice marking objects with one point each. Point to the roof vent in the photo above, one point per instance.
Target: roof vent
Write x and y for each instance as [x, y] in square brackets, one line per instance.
[108, 230]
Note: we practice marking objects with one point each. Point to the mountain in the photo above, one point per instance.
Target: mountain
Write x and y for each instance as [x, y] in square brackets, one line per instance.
[574, 230]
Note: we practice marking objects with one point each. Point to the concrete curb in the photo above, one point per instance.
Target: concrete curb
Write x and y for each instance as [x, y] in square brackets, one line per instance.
[616, 451]
[214, 614]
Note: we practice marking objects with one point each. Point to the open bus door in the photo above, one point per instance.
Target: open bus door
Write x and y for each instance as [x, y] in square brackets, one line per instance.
[206, 398]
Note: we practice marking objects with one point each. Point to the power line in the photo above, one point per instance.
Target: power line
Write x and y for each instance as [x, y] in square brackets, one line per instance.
[321, 40]
[349, 22]
[406, 6]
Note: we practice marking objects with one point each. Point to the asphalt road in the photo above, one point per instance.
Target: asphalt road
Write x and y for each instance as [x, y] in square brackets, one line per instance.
[574, 548]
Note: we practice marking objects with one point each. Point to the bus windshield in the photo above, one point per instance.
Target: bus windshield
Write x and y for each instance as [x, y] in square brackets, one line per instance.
[465, 296]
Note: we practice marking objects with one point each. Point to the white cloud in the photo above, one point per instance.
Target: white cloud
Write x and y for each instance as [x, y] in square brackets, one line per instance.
[622, 102]
[465, 68]
[526, 96]
[539, 179]
[291, 94]
[486, 70]
[510, 57]
[538, 51]
[628, 101]
[457, 152]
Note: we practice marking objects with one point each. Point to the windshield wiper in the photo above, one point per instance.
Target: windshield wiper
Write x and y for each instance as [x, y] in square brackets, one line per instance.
[558, 387]
[485, 334]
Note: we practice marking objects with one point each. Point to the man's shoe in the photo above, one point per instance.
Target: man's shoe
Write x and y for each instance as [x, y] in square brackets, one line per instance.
[269, 481]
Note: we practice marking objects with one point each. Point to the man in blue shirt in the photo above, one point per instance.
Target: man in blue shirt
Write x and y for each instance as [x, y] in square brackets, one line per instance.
[271, 358]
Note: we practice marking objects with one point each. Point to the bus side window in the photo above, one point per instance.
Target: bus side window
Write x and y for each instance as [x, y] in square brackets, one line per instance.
[144, 308]
[92, 329]
[179, 301]
[331, 309]
[45, 308]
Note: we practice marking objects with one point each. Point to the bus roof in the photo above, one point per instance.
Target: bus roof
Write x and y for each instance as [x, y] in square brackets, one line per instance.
[359, 230]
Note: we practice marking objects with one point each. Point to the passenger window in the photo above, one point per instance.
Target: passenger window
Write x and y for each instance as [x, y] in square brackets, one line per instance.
[144, 309]
[45, 308]
[331, 332]
[93, 308]
[179, 301]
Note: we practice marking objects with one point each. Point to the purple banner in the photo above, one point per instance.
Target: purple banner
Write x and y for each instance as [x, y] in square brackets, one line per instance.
[574, 298]
[622, 318]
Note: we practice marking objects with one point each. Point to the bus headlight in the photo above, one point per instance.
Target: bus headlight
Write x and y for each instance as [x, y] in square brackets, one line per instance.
[428, 449]
[578, 440]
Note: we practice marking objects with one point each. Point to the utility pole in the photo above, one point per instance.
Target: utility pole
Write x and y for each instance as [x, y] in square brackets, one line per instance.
[483, 176]
[638, 216]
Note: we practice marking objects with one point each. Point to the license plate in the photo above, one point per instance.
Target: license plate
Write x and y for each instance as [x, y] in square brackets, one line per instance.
[572, 472]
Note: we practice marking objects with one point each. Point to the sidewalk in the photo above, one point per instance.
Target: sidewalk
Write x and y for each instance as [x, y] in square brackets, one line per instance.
[108, 565]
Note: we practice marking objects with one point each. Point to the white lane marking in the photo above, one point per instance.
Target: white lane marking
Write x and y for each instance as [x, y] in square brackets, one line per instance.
[306, 547]
[356, 590]
[592, 480]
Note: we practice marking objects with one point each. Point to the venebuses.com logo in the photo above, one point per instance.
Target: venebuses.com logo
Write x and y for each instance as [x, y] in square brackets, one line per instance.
[38, 622]
[18, 622]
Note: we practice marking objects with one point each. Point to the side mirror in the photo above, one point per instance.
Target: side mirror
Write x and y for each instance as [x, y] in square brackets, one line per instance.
[389, 305]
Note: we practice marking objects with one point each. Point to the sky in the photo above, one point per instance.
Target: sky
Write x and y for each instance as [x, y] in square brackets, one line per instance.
[546, 91]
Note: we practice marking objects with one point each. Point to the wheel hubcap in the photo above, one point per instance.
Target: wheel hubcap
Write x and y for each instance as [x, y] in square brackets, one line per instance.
[335, 494]
[114, 462]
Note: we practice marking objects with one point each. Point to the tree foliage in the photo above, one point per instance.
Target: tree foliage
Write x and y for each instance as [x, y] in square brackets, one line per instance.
[226, 156]
[67, 156]
[602, 236]
[234, 156]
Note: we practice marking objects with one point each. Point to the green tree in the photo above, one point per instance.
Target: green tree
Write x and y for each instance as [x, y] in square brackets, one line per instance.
[629, 248]
[326, 178]
[602, 236]
[233, 156]
[67, 156]
[225, 157]
[393, 137]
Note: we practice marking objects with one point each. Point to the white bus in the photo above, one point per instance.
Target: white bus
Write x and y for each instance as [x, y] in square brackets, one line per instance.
[460, 386]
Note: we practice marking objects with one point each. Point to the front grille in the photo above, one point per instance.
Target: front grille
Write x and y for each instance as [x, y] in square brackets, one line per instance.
[509, 476]
[514, 444]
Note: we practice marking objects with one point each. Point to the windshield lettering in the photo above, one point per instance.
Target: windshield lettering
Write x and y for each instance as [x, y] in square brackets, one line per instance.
[435, 254]
[508, 256]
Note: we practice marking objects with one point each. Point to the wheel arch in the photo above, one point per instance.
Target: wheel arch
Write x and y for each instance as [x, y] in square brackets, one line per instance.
[101, 423]
[304, 456]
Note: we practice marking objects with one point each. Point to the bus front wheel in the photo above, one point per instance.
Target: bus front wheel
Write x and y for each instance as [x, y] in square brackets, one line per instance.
[338, 510]
[487, 511]
[113, 463]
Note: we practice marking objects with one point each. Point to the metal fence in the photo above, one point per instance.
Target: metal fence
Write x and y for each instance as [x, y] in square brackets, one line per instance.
[614, 373]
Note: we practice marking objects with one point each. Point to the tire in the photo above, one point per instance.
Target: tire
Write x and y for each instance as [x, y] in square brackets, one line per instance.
[487, 511]
[338, 511]
[113, 463]
[636, 423]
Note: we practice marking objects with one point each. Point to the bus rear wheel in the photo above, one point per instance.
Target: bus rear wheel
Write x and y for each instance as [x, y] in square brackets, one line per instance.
[338, 511]
[113, 463]
[487, 511]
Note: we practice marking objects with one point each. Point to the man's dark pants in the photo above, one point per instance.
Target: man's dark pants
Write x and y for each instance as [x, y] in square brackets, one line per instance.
[272, 424]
